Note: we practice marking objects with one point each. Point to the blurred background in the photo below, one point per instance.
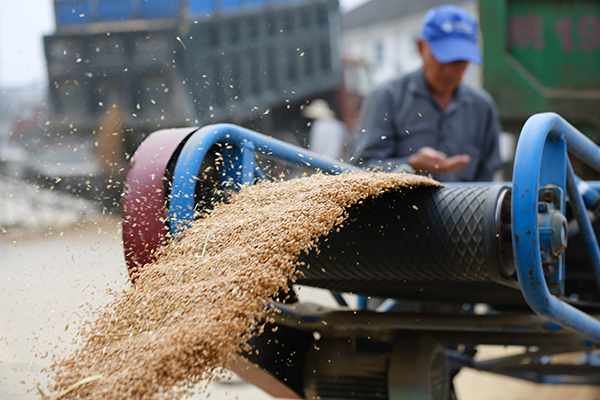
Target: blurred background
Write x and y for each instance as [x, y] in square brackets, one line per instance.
[83, 82]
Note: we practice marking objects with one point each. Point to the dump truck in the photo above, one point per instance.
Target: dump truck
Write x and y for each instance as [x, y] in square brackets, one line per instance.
[120, 69]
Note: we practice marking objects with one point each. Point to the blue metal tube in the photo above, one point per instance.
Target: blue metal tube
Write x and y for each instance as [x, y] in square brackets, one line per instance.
[590, 194]
[585, 225]
[181, 209]
[539, 131]
[594, 185]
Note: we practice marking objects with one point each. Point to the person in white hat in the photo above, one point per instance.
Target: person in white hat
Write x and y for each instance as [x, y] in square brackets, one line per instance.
[328, 135]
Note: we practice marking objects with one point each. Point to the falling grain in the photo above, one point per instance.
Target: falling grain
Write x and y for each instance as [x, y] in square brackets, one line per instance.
[190, 312]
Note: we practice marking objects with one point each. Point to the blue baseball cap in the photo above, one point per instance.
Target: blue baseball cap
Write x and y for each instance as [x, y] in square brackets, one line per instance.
[452, 34]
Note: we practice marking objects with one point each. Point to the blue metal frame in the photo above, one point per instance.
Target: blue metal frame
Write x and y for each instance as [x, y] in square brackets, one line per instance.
[541, 160]
[240, 168]
[535, 367]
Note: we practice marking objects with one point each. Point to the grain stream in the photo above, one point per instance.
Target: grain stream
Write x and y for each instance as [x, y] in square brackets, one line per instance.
[190, 312]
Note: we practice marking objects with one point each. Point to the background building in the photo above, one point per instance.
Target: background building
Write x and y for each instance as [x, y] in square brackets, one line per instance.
[382, 33]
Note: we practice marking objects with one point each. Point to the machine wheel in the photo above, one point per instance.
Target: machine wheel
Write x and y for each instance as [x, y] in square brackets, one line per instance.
[144, 228]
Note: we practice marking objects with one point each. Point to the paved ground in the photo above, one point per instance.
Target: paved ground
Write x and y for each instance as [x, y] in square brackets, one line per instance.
[59, 256]
[52, 272]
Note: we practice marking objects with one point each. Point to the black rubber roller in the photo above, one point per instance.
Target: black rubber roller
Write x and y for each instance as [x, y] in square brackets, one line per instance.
[444, 244]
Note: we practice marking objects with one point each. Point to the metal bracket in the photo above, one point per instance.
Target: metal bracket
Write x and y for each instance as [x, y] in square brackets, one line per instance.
[541, 160]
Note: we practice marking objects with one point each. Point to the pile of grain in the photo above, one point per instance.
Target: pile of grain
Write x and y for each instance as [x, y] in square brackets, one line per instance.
[188, 313]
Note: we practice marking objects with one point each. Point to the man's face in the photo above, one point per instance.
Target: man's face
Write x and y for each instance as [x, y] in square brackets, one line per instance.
[442, 78]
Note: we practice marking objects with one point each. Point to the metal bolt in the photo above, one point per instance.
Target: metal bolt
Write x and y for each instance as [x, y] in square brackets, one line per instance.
[549, 270]
[548, 196]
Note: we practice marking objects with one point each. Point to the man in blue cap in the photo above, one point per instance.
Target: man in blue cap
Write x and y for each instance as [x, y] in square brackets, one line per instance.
[427, 121]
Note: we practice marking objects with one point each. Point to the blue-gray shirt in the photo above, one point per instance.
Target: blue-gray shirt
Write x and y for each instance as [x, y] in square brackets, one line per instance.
[402, 116]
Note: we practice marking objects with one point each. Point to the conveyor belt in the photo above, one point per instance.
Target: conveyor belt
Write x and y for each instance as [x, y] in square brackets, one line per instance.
[442, 244]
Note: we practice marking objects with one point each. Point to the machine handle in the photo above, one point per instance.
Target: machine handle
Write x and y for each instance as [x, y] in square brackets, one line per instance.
[181, 209]
[541, 160]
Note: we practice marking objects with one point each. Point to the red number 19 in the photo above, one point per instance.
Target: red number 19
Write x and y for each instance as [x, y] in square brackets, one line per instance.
[588, 29]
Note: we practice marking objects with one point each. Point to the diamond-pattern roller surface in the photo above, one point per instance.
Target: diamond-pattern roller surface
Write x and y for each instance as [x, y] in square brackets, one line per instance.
[413, 241]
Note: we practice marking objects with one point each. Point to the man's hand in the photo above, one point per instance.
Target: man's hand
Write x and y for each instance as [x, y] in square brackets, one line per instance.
[428, 159]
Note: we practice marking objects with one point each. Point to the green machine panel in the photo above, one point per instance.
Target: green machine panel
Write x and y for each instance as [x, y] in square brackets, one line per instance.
[543, 56]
